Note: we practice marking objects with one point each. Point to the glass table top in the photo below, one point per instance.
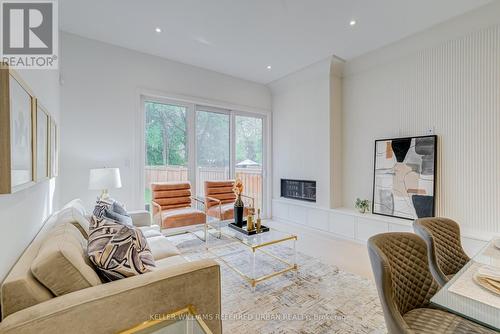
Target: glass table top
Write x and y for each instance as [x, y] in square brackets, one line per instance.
[463, 296]
[253, 241]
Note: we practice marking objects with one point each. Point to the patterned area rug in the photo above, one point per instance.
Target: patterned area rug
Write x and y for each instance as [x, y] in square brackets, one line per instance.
[315, 299]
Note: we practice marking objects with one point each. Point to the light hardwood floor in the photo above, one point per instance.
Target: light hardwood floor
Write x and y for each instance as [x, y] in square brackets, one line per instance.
[346, 255]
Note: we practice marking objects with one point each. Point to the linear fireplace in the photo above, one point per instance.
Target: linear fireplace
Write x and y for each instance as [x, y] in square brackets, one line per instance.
[299, 189]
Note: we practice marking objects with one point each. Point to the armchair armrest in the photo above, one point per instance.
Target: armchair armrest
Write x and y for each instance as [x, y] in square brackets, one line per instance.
[219, 204]
[199, 200]
[140, 218]
[116, 306]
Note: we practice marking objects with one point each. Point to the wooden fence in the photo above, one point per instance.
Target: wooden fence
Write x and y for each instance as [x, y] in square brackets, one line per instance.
[251, 178]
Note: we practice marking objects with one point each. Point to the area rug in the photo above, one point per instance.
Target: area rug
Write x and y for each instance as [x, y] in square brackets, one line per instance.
[317, 298]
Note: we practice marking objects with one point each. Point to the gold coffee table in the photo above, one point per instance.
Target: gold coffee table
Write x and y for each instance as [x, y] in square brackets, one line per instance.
[258, 243]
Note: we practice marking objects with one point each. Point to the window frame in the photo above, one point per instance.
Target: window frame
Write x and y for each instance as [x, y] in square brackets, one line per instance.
[191, 109]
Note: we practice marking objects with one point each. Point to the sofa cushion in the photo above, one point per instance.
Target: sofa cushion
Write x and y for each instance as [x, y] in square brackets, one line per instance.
[62, 264]
[20, 289]
[78, 205]
[169, 262]
[150, 231]
[75, 215]
[141, 218]
[162, 248]
[118, 251]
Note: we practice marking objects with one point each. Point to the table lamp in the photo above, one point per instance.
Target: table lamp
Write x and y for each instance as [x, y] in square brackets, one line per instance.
[104, 179]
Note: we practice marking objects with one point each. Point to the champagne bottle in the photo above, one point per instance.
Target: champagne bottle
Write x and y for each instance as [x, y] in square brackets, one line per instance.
[250, 225]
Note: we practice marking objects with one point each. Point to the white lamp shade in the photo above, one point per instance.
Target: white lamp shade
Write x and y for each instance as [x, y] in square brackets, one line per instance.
[104, 178]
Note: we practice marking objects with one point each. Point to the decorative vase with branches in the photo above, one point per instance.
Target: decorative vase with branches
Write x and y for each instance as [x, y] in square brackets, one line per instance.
[238, 205]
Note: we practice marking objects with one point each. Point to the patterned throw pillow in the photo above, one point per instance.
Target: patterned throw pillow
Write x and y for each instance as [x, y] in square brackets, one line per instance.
[111, 209]
[101, 206]
[125, 220]
[119, 209]
[118, 251]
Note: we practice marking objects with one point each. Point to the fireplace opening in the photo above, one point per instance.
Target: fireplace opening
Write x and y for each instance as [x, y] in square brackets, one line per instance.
[299, 189]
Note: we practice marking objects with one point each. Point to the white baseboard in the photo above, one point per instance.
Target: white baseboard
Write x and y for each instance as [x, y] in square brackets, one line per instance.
[351, 225]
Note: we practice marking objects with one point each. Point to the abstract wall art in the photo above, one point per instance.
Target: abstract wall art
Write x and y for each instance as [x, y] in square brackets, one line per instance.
[25, 131]
[405, 177]
[42, 143]
[54, 149]
[16, 132]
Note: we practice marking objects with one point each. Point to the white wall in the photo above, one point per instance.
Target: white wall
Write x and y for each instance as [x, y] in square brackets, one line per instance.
[449, 83]
[22, 214]
[301, 129]
[446, 78]
[100, 99]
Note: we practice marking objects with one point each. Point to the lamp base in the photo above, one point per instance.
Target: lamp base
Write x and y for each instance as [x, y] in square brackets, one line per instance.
[104, 194]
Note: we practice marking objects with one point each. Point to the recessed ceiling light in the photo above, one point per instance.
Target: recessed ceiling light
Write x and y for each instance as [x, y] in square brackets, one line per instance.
[203, 40]
[352, 23]
[269, 67]
[158, 30]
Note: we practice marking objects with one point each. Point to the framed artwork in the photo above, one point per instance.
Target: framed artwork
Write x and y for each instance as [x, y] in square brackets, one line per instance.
[405, 177]
[17, 132]
[54, 149]
[42, 171]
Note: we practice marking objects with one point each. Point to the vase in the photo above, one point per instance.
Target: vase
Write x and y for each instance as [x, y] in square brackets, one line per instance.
[238, 211]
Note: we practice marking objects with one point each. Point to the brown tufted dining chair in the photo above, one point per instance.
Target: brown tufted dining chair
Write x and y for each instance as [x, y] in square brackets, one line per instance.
[405, 286]
[173, 205]
[444, 248]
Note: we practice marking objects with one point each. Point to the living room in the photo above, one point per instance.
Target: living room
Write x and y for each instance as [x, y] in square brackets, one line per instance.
[259, 166]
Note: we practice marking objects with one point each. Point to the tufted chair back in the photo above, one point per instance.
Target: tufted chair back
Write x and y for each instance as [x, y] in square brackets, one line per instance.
[221, 190]
[446, 255]
[171, 195]
[401, 270]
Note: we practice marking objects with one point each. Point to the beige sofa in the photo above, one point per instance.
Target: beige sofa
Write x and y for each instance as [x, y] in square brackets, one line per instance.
[28, 306]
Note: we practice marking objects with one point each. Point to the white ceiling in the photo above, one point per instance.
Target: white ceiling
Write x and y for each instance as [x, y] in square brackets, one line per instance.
[242, 37]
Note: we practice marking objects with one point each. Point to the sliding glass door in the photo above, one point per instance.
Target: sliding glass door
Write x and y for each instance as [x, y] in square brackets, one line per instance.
[166, 140]
[249, 155]
[185, 141]
[212, 147]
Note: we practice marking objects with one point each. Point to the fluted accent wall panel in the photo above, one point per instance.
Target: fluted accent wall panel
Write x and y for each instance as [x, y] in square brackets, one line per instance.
[452, 89]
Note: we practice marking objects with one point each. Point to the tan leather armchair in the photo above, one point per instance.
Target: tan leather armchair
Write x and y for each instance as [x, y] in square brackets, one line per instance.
[220, 198]
[405, 286]
[173, 205]
[446, 255]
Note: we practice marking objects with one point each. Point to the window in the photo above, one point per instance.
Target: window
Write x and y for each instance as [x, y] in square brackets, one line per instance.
[185, 141]
[212, 148]
[166, 144]
[249, 150]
